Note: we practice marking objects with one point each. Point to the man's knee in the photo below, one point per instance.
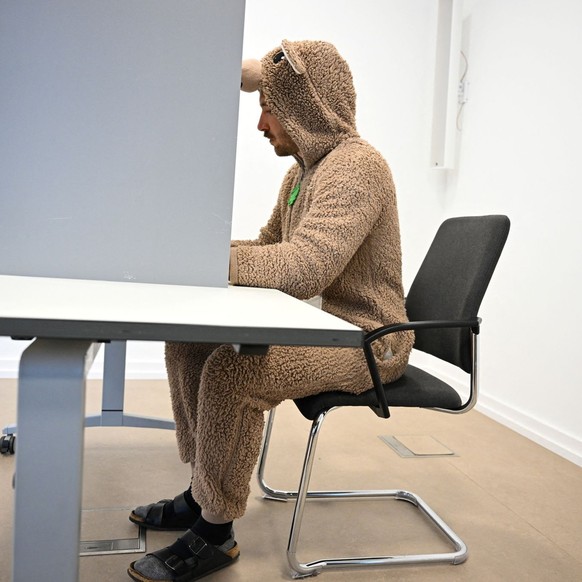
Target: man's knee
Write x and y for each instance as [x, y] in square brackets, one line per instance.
[238, 377]
[181, 353]
[185, 362]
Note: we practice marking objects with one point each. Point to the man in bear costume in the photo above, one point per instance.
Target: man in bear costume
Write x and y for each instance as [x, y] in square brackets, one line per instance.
[334, 236]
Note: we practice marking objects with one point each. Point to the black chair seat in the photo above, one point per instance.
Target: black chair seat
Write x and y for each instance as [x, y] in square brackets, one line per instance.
[443, 310]
[416, 388]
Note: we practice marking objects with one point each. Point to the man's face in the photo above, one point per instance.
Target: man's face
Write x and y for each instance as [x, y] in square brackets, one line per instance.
[272, 129]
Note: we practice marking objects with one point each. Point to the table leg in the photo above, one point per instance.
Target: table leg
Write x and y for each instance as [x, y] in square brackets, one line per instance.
[49, 459]
[113, 397]
[113, 394]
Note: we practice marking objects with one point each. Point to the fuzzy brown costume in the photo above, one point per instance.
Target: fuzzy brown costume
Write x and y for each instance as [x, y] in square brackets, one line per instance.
[340, 240]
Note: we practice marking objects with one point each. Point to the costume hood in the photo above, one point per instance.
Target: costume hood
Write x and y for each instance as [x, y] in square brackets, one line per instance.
[309, 88]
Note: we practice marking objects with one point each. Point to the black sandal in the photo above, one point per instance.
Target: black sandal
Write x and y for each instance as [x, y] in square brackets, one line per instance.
[152, 516]
[189, 558]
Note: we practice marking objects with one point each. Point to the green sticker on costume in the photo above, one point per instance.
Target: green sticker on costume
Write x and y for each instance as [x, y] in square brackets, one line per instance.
[294, 194]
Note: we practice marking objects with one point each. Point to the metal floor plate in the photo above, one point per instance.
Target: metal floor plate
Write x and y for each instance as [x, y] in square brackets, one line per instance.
[105, 547]
[415, 446]
[110, 532]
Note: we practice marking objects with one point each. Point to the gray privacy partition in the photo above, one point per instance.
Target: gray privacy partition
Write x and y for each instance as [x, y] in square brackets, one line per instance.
[118, 124]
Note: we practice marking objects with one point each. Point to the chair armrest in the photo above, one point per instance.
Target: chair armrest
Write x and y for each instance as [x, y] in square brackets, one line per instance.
[373, 335]
[430, 324]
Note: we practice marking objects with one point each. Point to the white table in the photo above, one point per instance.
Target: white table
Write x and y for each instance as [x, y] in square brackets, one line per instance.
[68, 317]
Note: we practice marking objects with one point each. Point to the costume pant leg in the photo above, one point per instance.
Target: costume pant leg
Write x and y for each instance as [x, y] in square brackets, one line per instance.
[235, 391]
[184, 363]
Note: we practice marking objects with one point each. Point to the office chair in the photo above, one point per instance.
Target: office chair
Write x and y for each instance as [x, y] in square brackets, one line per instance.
[442, 306]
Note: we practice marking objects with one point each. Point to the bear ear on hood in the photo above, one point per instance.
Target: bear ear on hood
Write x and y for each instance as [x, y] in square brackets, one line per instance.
[293, 57]
[251, 75]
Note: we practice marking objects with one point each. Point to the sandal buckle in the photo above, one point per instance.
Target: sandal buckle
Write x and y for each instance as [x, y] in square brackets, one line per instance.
[174, 562]
[199, 547]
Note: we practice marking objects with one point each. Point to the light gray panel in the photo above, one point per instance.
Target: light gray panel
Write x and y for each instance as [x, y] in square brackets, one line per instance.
[118, 133]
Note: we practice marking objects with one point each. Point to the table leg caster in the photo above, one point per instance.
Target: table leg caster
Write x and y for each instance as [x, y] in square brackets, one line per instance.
[7, 444]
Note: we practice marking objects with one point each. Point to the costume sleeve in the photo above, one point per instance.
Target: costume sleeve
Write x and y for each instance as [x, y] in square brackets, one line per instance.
[268, 235]
[348, 197]
[271, 233]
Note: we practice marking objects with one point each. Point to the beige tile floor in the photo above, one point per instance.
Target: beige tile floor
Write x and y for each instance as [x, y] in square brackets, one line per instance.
[517, 506]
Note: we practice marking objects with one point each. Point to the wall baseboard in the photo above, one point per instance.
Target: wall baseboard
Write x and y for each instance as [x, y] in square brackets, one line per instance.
[549, 437]
[135, 369]
[8, 368]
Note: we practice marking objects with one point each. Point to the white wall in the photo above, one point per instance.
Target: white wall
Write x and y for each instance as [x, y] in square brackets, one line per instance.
[390, 48]
[517, 154]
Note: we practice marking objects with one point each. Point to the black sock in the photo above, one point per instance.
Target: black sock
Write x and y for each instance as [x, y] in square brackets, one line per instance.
[170, 510]
[213, 533]
[191, 502]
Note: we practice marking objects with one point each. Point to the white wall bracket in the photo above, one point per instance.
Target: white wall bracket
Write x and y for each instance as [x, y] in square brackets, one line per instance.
[446, 83]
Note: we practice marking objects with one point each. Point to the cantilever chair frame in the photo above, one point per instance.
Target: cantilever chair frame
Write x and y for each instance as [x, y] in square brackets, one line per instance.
[301, 569]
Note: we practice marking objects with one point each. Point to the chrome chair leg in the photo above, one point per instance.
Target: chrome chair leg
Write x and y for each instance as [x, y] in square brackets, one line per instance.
[269, 493]
[302, 570]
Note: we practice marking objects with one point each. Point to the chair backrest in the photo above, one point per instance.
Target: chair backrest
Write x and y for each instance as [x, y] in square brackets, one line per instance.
[452, 281]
